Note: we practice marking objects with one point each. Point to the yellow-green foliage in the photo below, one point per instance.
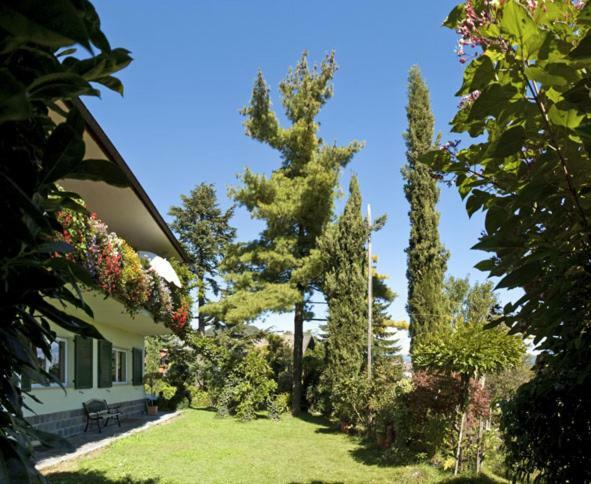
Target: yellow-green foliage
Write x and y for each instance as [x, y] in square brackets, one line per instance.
[134, 282]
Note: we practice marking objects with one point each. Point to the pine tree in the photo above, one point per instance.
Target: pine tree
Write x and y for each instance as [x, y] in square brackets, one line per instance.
[385, 343]
[280, 270]
[204, 231]
[345, 288]
[426, 256]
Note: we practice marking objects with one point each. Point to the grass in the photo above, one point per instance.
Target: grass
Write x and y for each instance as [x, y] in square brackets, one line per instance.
[201, 448]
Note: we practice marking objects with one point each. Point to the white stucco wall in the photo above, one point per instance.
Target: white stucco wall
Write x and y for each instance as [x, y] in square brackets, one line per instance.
[56, 400]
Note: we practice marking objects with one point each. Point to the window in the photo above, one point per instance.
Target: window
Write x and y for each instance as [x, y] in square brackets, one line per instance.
[57, 365]
[119, 367]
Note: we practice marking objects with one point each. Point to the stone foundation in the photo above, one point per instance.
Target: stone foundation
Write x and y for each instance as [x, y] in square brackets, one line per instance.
[72, 422]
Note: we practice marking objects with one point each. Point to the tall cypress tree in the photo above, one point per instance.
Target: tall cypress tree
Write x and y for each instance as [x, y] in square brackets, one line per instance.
[280, 270]
[426, 256]
[345, 288]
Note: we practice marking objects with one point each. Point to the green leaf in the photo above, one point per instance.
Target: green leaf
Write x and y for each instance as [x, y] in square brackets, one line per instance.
[485, 265]
[569, 118]
[517, 22]
[538, 74]
[476, 201]
[112, 83]
[100, 170]
[54, 23]
[454, 16]
[585, 14]
[580, 95]
[63, 152]
[99, 66]
[583, 50]
[510, 142]
[14, 104]
[584, 131]
[479, 74]
[62, 85]
[491, 101]
[519, 277]
[436, 159]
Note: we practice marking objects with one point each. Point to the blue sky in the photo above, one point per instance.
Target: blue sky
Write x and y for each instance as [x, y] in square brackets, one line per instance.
[195, 62]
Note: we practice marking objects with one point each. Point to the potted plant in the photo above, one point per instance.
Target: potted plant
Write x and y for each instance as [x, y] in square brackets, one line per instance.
[152, 405]
[151, 383]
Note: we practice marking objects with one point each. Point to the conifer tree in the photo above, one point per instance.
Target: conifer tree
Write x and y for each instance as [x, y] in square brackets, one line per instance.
[345, 288]
[426, 256]
[204, 231]
[385, 343]
[281, 269]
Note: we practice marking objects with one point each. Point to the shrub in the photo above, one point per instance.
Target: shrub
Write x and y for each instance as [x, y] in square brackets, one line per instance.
[160, 389]
[386, 406]
[248, 387]
[199, 397]
[279, 405]
[429, 425]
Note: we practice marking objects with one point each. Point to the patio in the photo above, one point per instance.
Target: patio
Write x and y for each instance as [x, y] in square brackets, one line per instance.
[93, 440]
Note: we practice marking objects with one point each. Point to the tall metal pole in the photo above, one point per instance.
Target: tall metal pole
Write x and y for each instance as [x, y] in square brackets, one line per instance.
[369, 296]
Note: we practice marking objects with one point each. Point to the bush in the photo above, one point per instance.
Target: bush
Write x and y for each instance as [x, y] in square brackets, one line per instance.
[385, 402]
[547, 428]
[279, 405]
[199, 397]
[248, 387]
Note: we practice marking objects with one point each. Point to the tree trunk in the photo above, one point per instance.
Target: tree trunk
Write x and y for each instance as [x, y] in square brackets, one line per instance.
[200, 304]
[298, 343]
[479, 453]
[459, 447]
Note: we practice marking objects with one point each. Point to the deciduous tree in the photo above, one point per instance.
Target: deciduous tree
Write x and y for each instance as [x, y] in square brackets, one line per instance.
[525, 97]
[468, 349]
[39, 72]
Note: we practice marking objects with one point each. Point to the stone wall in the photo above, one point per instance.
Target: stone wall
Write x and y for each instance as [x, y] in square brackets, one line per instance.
[72, 422]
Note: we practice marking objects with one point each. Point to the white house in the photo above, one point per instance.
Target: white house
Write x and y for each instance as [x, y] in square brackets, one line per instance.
[110, 369]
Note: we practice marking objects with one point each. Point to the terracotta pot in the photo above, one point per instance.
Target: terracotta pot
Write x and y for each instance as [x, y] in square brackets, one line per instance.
[152, 410]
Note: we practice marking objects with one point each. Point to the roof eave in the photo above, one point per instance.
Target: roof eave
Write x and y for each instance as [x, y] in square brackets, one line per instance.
[103, 141]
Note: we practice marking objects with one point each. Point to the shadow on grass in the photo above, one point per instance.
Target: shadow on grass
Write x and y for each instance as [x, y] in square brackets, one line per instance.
[326, 426]
[482, 479]
[317, 481]
[201, 409]
[93, 477]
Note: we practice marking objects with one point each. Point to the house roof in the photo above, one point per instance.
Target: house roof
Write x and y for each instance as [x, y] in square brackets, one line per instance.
[308, 341]
[128, 211]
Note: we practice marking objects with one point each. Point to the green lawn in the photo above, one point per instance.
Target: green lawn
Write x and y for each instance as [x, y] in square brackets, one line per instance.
[198, 447]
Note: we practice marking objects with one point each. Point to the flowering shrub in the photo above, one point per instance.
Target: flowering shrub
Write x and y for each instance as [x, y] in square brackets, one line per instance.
[119, 271]
[429, 425]
[135, 282]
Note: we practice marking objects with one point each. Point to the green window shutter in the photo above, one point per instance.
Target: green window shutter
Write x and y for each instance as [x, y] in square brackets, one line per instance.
[105, 363]
[138, 366]
[83, 362]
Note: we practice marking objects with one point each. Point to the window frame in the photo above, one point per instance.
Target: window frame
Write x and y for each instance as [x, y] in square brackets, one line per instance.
[116, 366]
[48, 364]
